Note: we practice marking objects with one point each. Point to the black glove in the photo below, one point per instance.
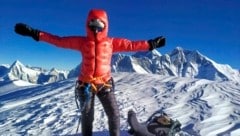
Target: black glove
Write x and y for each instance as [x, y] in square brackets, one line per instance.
[26, 30]
[156, 43]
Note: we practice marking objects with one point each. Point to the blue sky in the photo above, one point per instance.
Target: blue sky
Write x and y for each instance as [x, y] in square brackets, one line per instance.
[209, 26]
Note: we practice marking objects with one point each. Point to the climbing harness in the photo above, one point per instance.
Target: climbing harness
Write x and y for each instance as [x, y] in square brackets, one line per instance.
[83, 93]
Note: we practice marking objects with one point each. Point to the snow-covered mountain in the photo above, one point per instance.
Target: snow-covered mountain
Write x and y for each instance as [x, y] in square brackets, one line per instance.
[204, 107]
[180, 63]
[18, 71]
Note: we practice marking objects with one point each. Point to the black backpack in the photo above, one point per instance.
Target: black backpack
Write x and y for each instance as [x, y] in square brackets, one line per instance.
[162, 125]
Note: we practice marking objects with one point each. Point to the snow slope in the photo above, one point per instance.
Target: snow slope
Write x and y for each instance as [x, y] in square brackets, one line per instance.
[203, 107]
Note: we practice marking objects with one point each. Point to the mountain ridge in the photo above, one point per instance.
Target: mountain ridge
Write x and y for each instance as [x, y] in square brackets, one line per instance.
[36, 75]
[179, 62]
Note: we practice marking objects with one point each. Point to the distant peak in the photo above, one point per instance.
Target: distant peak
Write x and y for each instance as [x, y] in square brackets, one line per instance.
[150, 54]
[54, 70]
[178, 49]
[17, 63]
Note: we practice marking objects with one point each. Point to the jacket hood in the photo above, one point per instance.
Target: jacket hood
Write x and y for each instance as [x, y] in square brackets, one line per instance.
[101, 15]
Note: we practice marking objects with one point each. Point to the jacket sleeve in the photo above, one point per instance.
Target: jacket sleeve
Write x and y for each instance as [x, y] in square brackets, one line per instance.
[71, 42]
[125, 45]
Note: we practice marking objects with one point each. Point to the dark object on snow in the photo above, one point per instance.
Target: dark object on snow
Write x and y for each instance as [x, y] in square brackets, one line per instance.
[160, 125]
[137, 129]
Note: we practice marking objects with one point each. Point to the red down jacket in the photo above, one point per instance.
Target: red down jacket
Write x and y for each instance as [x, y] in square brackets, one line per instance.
[96, 49]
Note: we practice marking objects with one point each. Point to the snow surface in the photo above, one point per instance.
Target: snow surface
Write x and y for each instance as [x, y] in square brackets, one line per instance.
[204, 107]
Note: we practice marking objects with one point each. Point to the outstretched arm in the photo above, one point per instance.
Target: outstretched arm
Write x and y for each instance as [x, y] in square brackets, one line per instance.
[122, 45]
[72, 42]
[125, 45]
